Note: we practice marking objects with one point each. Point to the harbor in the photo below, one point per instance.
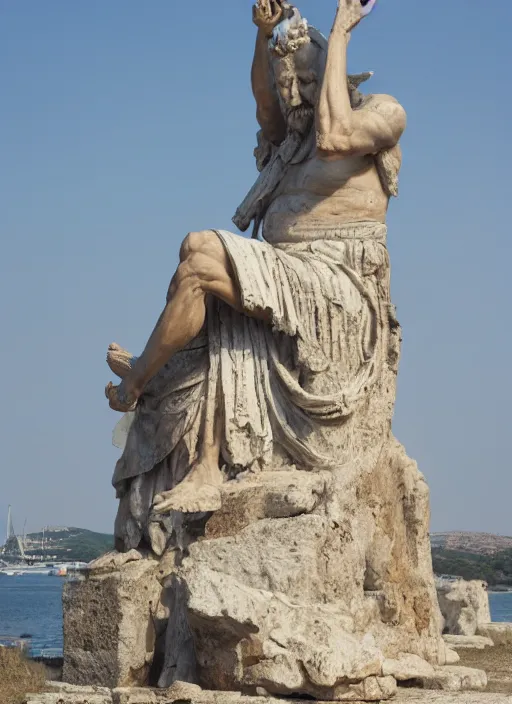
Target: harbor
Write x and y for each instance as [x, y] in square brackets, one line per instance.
[54, 552]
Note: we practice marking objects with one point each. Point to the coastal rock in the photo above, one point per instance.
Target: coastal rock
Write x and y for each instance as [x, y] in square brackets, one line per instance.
[464, 606]
[499, 633]
[452, 657]
[468, 642]
[455, 679]
[407, 667]
[111, 624]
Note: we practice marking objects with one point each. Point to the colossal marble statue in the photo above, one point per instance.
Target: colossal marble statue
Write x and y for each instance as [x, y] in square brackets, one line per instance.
[268, 349]
[272, 535]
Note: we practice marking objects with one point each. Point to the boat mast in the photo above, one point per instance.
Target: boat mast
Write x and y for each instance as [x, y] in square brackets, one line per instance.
[8, 531]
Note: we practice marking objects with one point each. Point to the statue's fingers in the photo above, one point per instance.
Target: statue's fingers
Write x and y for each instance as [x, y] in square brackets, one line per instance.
[276, 13]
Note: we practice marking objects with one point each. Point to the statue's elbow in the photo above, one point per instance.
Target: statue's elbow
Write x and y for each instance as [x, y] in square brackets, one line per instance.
[334, 146]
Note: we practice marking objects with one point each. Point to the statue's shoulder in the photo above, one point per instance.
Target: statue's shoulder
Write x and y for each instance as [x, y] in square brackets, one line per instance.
[388, 161]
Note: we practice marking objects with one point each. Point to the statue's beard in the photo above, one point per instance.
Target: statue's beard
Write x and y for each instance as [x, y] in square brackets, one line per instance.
[301, 118]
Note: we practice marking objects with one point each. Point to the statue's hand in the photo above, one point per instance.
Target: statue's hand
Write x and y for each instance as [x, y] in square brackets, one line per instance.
[266, 14]
[119, 398]
[351, 12]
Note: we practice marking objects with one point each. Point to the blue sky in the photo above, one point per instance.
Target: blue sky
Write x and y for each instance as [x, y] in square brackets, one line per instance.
[125, 124]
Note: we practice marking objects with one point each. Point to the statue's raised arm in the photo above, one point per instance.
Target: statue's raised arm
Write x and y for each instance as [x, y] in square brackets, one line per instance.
[341, 130]
[266, 15]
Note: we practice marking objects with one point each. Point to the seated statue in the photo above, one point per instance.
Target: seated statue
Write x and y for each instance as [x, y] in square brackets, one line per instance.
[268, 349]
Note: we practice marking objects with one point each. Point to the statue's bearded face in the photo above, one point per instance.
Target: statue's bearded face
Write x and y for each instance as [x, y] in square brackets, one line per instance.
[298, 79]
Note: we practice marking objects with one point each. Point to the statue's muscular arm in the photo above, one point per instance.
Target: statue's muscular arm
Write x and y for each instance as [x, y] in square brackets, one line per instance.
[342, 131]
[266, 14]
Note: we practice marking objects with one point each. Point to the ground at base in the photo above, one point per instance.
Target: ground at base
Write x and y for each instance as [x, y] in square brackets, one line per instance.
[496, 661]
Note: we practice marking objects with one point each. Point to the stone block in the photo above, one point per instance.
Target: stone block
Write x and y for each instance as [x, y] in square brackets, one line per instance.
[468, 642]
[110, 623]
[134, 695]
[455, 679]
[407, 667]
[499, 633]
[266, 495]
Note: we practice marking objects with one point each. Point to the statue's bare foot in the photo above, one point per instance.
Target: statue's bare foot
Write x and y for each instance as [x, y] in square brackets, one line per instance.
[198, 493]
[119, 360]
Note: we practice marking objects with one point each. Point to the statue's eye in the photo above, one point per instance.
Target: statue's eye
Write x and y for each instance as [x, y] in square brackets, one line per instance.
[307, 77]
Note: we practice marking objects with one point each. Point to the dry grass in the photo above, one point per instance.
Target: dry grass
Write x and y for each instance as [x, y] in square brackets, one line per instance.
[18, 676]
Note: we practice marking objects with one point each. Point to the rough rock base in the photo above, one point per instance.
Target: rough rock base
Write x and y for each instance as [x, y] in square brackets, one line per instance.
[111, 622]
[182, 693]
[310, 584]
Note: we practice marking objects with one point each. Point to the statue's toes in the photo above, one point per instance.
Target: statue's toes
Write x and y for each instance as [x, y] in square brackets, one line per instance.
[189, 499]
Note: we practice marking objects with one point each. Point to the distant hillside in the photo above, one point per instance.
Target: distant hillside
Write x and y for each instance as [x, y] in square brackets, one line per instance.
[68, 544]
[474, 543]
[495, 569]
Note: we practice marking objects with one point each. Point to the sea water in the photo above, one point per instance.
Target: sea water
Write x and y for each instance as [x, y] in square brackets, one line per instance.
[32, 605]
[501, 606]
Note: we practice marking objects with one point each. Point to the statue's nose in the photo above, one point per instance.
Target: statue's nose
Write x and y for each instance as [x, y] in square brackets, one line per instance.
[295, 96]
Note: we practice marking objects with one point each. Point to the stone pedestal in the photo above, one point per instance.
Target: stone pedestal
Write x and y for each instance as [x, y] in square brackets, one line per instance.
[112, 620]
[311, 584]
[304, 584]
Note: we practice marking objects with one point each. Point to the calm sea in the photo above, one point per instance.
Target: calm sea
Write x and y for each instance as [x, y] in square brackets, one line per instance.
[31, 604]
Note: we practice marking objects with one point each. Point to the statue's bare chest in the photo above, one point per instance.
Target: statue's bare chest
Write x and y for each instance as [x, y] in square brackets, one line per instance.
[323, 178]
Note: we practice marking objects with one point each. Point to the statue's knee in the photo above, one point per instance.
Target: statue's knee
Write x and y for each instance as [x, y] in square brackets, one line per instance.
[193, 272]
[197, 242]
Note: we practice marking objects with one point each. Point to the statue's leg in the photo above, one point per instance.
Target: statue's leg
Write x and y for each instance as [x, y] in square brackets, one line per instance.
[204, 269]
[199, 491]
